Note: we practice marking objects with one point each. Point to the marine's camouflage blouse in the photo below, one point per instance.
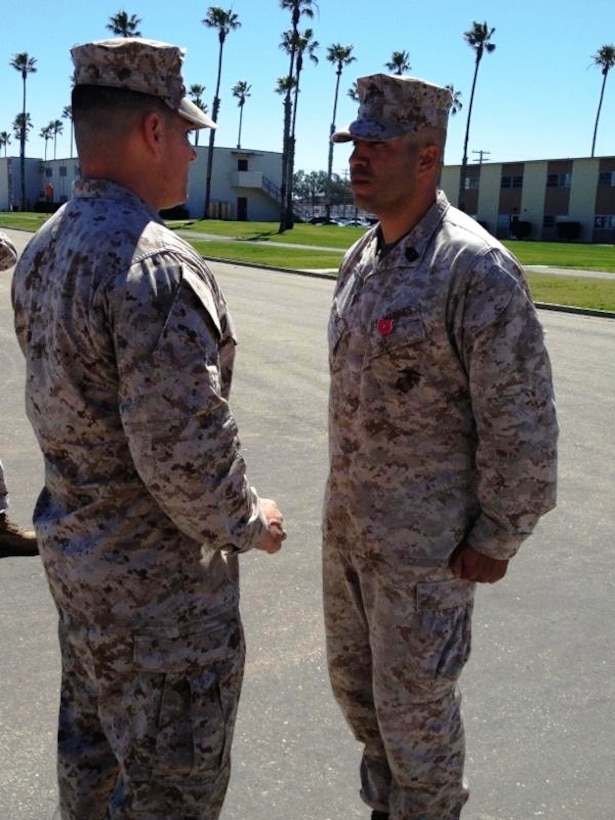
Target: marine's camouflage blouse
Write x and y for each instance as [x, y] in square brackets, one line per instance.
[442, 419]
[129, 350]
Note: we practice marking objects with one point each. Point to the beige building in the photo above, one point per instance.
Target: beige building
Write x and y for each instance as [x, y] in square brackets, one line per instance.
[544, 200]
[244, 184]
[550, 200]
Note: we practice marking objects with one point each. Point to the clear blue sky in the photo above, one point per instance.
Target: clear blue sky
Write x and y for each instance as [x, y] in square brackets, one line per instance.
[536, 97]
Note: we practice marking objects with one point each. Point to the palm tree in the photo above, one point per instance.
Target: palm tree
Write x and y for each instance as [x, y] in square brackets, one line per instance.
[5, 139]
[121, 25]
[456, 105]
[284, 87]
[399, 62]
[56, 127]
[25, 65]
[196, 92]
[340, 56]
[67, 114]
[477, 38]
[297, 8]
[605, 58]
[224, 22]
[241, 90]
[301, 44]
[21, 126]
[46, 134]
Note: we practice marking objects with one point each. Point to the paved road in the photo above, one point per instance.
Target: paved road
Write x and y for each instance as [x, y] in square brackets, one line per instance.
[540, 687]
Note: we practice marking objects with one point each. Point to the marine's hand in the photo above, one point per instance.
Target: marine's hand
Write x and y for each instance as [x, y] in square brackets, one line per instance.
[470, 565]
[272, 541]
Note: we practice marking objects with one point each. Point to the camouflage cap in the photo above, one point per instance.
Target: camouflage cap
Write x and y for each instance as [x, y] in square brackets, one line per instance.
[392, 106]
[148, 66]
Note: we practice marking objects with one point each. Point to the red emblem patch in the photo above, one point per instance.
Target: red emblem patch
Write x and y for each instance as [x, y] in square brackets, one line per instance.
[385, 326]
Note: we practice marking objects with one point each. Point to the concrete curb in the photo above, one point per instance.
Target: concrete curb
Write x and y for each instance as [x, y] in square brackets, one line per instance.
[605, 314]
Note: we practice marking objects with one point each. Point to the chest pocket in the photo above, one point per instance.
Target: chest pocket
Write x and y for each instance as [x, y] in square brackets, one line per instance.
[402, 330]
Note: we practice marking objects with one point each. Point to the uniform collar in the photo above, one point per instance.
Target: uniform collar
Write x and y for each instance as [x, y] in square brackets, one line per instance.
[409, 249]
[93, 188]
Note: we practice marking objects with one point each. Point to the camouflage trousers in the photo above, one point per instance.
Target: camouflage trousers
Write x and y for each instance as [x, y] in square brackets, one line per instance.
[146, 720]
[397, 640]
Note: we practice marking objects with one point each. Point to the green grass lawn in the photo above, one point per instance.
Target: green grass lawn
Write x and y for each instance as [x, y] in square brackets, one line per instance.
[564, 255]
[595, 294]
[300, 258]
[259, 243]
[328, 236]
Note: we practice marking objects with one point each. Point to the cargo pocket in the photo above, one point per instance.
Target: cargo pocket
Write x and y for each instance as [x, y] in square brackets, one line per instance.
[170, 714]
[442, 628]
[199, 698]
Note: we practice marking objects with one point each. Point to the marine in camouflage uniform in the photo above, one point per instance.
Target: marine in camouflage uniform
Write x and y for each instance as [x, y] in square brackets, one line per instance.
[14, 541]
[129, 350]
[442, 434]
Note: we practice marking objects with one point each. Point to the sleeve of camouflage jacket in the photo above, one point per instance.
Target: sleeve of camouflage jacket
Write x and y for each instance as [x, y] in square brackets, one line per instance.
[513, 404]
[173, 341]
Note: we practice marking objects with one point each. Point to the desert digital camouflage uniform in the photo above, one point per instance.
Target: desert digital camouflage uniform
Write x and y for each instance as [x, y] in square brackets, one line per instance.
[8, 252]
[129, 349]
[8, 256]
[442, 428]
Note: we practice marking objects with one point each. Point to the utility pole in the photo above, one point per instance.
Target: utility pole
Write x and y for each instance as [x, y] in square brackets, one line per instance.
[481, 155]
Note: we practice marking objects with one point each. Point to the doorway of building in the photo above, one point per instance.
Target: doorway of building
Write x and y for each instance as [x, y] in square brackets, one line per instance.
[242, 208]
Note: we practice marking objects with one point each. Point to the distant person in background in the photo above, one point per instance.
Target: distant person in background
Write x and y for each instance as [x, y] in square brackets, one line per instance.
[442, 449]
[14, 541]
[129, 351]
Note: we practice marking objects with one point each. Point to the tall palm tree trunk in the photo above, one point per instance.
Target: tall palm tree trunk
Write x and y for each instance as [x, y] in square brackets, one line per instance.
[289, 216]
[464, 161]
[22, 147]
[285, 153]
[330, 157]
[240, 124]
[286, 139]
[212, 133]
[604, 76]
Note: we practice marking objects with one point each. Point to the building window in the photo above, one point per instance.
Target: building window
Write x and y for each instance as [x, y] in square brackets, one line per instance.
[604, 222]
[62, 170]
[607, 178]
[48, 172]
[512, 181]
[471, 183]
[242, 164]
[559, 180]
[548, 221]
